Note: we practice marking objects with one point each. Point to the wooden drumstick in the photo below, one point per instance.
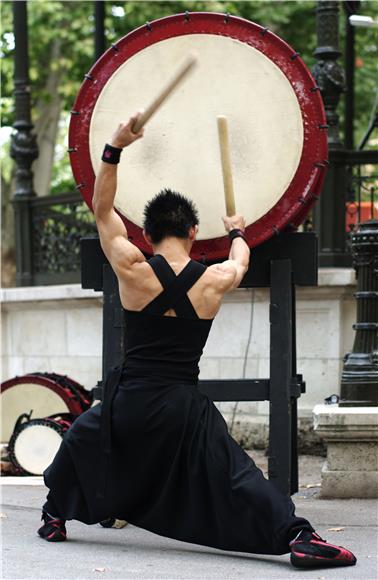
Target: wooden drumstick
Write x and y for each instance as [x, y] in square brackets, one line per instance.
[226, 165]
[179, 76]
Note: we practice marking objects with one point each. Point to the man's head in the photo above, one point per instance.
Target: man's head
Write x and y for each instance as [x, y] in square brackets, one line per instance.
[170, 214]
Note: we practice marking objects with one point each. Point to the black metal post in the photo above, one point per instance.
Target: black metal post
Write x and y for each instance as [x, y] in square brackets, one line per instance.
[99, 8]
[350, 8]
[373, 124]
[23, 148]
[359, 381]
[329, 214]
[294, 475]
[113, 326]
[281, 372]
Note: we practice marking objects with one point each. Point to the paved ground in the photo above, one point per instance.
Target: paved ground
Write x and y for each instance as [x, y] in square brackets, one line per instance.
[131, 553]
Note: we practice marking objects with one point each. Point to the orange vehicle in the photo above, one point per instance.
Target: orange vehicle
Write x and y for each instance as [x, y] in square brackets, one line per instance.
[360, 212]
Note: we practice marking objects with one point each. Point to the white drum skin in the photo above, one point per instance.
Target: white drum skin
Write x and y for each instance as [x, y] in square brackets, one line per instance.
[24, 398]
[276, 121]
[180, 149]
[36, 447]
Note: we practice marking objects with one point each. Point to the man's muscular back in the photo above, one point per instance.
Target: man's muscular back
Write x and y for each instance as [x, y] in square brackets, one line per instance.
[138, 285]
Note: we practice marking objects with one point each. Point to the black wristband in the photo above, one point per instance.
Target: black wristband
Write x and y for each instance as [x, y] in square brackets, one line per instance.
[236, 233]
[111, 154]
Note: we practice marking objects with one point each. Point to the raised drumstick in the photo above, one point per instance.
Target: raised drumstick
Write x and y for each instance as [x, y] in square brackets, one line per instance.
[185, 68]
[226, 165]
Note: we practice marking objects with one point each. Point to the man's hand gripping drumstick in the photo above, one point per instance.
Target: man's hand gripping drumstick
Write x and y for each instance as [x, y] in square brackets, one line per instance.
[106, 180]
[238, 260]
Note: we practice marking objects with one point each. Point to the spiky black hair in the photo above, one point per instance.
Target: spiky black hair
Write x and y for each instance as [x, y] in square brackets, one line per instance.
[169, 214]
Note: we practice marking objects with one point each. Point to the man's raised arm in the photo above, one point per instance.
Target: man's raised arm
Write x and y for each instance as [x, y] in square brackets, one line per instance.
[112, 231]
[235, 268]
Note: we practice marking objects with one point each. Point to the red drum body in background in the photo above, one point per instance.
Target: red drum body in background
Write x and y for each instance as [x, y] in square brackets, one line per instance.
[245, 72]
[42, 393]
[78, 394]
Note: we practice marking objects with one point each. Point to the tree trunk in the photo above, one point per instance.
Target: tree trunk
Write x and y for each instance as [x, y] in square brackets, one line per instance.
[47, 125]
[8, 264]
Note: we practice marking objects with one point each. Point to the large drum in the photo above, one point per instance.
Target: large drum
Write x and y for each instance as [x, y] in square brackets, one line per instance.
[275, 115]
[43, 394]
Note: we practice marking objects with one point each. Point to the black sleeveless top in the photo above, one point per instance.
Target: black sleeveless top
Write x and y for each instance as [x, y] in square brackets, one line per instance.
[166, 348]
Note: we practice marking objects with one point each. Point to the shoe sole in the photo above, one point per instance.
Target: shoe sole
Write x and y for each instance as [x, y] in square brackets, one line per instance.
[54, 538]
[304, 561]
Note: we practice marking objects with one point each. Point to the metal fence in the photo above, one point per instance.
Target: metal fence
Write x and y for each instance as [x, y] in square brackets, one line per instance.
[58, 223]
[361, 190]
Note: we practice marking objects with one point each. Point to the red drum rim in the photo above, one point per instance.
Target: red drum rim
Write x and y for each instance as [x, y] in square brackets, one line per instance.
[301, 193]
[309, 201]
[65, 381]
[73, 405]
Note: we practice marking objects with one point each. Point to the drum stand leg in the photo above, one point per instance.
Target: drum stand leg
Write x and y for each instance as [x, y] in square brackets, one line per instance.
[296, 383]
[113, 326]
[283, 455]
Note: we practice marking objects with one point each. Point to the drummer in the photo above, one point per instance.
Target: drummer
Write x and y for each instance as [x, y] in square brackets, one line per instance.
[183, 476]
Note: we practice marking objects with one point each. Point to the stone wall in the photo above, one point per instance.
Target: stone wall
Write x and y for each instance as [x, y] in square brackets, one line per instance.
[59, 329]
[52, 329]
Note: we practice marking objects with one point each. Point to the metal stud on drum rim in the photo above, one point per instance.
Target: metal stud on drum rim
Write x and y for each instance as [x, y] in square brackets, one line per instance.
[248, 41]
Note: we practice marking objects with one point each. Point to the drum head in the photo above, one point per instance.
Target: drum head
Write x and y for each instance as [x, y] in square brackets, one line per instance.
[42, 395]
[36, 445]
[275, 117]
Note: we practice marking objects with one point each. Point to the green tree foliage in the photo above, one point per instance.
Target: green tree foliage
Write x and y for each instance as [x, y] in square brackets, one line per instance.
[68, 27]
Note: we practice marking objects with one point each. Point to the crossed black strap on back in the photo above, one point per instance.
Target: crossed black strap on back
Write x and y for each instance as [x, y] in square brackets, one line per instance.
[175, 288]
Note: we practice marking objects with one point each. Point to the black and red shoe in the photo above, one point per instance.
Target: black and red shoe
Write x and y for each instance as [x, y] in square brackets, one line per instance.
[308, 550]
[54, 529]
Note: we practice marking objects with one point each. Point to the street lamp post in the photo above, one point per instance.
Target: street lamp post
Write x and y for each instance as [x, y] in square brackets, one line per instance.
[359, 381]
[329, 214]
[99, 13]
[23, 149]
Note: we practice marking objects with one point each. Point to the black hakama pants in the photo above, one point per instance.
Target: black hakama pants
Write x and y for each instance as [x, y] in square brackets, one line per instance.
[171, 467]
